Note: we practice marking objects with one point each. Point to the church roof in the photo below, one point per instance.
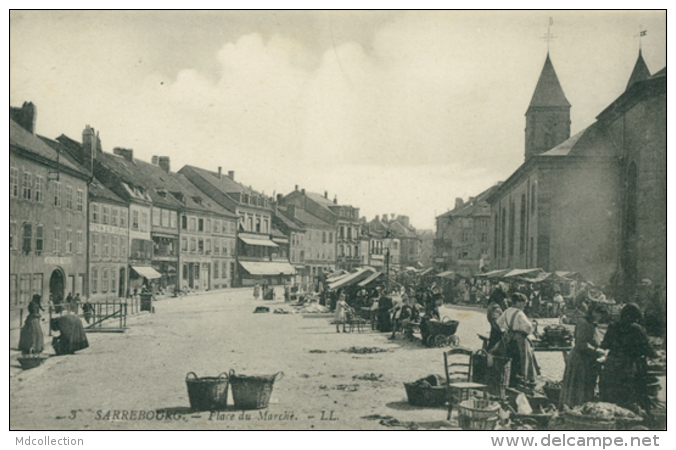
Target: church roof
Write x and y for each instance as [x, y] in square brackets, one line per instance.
[640, 71]
[548, 91]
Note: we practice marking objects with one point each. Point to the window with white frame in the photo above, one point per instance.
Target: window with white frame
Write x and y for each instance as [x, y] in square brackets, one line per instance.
[95, 281]
[27, 185]
[39, 189]
[57, 239]
[113, 280]
[69, 196]
[144, 221]
[123, 218]
[57, 194]
[134, 220]
[105, 217]
[104, 281]
[13, 182]
[105, 239]
[69, 240]
[95, 244]
[113, 216]
[80, 200]
[95, 213]
[156, 216]
[113, 246]
[79, 238]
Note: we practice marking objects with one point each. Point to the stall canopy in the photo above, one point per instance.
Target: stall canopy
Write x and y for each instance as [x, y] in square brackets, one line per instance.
[352, 278]
[426, 271]
[449, 274]
[526, 273]
[494, 273]
[335, 275]
[285, 268]
[147, 272]
[370, 279]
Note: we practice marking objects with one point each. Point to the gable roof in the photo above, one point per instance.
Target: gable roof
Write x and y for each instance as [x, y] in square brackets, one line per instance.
[97, 191]
[472, 208]
[592, 141]
[548, 91]
[23, 140]
[223, 184]
[310, 220]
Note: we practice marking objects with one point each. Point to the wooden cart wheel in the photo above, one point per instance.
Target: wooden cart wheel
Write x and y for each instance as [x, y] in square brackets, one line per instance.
[453, 341]
[440, 341]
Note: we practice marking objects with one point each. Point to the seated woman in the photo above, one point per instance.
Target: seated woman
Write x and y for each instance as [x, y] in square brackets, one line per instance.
[623, 377]
[71, 336]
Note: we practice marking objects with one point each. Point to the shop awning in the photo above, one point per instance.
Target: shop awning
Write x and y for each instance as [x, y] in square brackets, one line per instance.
[147, 272]
[260, 267]
[523, 273]
[285, 268]
[260, 242]
[426, 271]
[493, 273]
[370, 279]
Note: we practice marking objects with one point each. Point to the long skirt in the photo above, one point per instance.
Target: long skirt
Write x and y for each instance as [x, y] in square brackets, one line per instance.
[523, 360]
[31, 339]
[621, 382]
[72, 337]
[579, 379]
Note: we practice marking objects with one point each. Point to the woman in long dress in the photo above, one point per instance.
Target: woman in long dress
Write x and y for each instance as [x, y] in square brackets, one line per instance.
[341, 313]
[32, 339]
[579, 378]
[623, 379]
[72, 335]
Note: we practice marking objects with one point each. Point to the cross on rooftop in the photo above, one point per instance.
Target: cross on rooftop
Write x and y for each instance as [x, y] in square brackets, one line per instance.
[549, 36]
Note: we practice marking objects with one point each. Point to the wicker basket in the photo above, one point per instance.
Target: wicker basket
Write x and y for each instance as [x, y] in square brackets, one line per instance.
[475, 408]
[426, 395]
[31, 361]
[468, 423]
[207, 393]
[252, 392]
[577, 422]
[553, 393]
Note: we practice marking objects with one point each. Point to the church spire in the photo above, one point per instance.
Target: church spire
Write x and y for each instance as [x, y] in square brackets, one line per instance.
[640, 71]
[548, 115]
[548, 91]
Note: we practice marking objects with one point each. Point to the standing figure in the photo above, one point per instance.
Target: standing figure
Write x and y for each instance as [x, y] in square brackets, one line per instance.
[579, 379]
[517, 327]
[496, 306]
[340, 315]
[623, 379]
[71, 336]
[31, 339]
[256, 291]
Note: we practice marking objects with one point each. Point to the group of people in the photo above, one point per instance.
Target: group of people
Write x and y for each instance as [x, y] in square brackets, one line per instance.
[615, 363]
[70, 339]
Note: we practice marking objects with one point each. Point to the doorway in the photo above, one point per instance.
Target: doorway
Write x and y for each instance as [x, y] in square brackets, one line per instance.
[57, 284]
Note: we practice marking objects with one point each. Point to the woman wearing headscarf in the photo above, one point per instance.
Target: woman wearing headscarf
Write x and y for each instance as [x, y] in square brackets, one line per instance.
[579, 378]
[623, 377]
[71, 336]
[32, 339]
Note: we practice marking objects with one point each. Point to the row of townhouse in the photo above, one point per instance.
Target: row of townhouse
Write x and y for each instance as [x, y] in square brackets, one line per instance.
[102, 225]
[593, 203]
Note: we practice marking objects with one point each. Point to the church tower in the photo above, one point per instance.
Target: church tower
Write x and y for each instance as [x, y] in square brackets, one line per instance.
[548, 115]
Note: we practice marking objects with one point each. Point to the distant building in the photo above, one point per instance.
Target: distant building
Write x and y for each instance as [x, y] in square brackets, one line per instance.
[463, 238]
[595, 202]
[426, 247]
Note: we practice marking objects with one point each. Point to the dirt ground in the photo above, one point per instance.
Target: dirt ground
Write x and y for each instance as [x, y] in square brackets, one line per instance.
[122, 380]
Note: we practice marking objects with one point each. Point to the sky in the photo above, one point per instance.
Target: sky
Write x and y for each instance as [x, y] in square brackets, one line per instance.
[393, 112]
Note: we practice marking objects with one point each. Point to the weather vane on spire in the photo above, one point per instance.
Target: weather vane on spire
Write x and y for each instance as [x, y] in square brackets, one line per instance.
[549, 36]
[641, 33]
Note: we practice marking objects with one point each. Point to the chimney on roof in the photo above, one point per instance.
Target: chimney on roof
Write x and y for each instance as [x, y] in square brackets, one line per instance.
[164, 163]
[231, 174]
[302, 191]
[279, 198]
[220, 173]
[296, 188]
[335, 199]
[458, 202]
[326, 194]
[471, 200]
[126, 153]
[377, 218]
[25, 116]
[89, 147]
[154, 160]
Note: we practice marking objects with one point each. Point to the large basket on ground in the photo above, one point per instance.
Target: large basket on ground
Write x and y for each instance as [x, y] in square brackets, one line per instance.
[31, 361]
[579, 422]
[207, 393]
[426, 395]
[252, 391]
[478, 414]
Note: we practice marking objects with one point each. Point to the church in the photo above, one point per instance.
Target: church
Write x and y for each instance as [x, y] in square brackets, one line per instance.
[593, 203]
